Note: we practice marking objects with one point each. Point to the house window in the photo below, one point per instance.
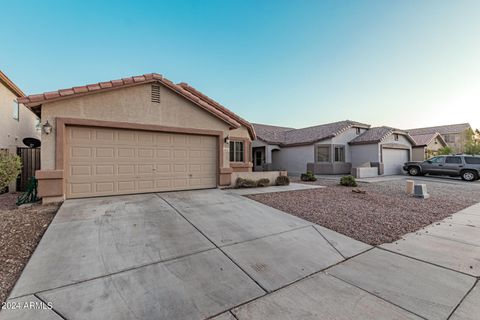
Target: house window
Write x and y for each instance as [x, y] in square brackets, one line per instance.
[323, 154]
[395, 136]
[339, 154]
[236, 151]
[15, 111]
[357, 130]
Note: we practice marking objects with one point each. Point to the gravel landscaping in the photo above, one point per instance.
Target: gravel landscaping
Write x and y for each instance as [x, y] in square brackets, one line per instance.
[20, 231]
[383, 214]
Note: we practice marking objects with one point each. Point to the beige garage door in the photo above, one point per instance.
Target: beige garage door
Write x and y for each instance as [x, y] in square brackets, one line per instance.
[102, 161]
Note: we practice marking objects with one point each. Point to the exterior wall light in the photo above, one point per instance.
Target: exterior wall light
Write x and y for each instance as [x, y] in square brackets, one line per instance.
[47, 127]
[227, 139]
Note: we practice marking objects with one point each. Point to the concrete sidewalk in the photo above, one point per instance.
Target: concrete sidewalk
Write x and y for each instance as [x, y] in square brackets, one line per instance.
[216, 254]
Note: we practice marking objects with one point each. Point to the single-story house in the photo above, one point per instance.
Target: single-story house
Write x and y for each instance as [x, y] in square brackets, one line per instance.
[383, 147]
[135, 135]
[427, 145]
[323, 147]
[332, 148]
[455, 135]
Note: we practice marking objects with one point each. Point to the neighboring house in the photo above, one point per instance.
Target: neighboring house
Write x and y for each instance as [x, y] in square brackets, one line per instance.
[324, 149]
[455, 135]
[17, 121]
[383, 147]
[135, 135]
[427, 145]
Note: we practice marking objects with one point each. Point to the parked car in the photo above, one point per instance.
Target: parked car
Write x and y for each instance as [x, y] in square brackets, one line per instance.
[465, 166]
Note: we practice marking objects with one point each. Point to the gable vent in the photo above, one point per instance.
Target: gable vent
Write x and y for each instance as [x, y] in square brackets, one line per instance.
[155, 93]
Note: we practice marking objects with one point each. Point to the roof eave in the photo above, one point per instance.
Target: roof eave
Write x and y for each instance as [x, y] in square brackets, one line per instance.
[10, 85]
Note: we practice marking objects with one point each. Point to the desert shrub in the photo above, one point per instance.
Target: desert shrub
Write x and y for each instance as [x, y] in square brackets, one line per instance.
[348, 181]
[10, 166]
[282, 181]
[309, 176]
[263, 182]
[245, 183]
[445, 151]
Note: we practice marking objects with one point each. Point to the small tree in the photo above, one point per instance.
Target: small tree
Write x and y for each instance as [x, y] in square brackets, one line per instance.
[10, 166]
[445, 150]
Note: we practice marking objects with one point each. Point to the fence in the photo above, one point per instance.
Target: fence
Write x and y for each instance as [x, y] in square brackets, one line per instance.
[30, 163]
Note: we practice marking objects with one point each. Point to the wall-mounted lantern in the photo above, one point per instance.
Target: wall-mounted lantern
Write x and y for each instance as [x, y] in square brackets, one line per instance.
[47, 127]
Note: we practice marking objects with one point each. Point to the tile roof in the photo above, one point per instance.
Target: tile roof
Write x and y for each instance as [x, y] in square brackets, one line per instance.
[36, 100]
[378, 134]
[289, 136]
[451, 128]
[221, 108]
[10, 85]
[425, 139]
[270, 134]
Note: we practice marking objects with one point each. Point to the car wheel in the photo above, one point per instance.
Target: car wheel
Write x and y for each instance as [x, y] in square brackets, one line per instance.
[413, 171]
[469, 175]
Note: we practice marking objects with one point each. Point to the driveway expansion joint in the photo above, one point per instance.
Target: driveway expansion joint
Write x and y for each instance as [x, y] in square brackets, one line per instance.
[53, 308]
[427, 262]
[376, 295]
[217, 247]
[463, 298]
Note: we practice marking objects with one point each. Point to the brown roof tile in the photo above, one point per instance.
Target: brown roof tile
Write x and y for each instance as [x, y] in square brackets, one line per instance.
[288, 136]
[201, 100]
[446, 129]
[425, 139]
[218, 106]
[378, 134]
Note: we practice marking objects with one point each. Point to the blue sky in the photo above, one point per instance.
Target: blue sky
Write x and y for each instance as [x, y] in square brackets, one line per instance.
[293, 63]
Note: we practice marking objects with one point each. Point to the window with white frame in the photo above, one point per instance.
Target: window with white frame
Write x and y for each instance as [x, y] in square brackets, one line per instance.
[236, 151]
[340, 154]
[15, 110]
[323, 153]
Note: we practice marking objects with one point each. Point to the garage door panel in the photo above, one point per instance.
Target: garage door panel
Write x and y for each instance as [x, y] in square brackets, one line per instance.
[393, 160]
[103, 161]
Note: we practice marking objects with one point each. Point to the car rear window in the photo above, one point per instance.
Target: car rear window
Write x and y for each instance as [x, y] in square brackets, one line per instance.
[453, 160]
[472, 160]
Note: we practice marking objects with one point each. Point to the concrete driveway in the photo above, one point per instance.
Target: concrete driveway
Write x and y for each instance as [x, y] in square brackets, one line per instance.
[215, 254]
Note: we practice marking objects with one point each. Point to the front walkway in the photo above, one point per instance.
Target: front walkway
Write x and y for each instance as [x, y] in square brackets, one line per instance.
[215, 254]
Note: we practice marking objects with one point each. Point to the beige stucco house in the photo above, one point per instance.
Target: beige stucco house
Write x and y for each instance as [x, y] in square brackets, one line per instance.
[16, 120]
[135, 135]
[455, 135]
[427, 145]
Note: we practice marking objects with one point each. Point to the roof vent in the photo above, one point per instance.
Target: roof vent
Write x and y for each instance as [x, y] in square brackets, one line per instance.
[155, 93]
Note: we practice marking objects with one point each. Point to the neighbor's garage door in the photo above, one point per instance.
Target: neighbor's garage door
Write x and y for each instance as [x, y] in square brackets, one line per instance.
[102, 161]
[393, 160]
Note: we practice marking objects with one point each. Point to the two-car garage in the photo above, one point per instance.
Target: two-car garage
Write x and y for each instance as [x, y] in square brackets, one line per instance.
[107, 161]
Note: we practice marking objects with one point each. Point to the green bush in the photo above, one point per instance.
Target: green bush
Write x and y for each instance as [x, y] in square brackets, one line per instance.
[264, 182]
[309, 176]
[282, 181]
[348, 181]
[245, 183]
[10, 167]
[445, 150]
